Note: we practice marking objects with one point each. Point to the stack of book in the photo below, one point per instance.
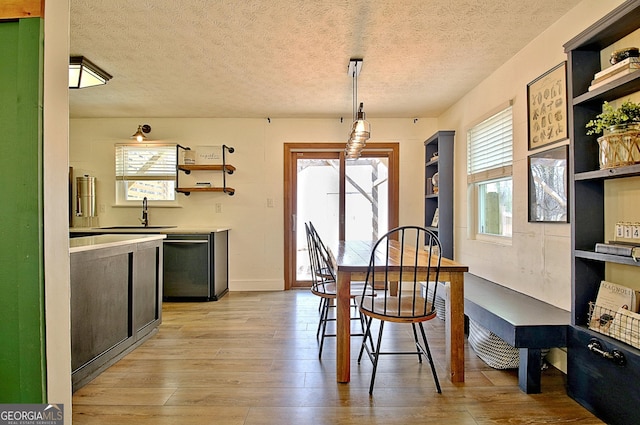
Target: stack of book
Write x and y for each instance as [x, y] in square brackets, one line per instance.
[620, 69]
[625, 249]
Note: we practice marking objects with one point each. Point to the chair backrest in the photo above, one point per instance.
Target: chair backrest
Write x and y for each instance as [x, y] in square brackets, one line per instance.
[404, 269]
[322, 271]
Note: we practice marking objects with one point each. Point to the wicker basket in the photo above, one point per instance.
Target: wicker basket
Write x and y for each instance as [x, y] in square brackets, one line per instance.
[492, 349]
[620, 147]
[441, 309]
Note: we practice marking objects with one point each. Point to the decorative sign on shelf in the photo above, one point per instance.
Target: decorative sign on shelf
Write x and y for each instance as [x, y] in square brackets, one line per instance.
[208, 155]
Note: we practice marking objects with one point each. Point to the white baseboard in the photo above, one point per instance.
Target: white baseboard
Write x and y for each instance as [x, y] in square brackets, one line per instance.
[256, 285]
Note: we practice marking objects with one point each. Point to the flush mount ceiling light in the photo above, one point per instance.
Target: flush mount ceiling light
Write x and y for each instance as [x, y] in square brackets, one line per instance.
[361, 129]
[84, 73]
[139, 135]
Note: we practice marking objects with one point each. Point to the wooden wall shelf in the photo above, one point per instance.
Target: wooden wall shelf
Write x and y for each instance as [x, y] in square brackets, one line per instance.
[188, 168]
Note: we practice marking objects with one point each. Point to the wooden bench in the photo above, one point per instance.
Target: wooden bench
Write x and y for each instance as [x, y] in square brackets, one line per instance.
[522, 321]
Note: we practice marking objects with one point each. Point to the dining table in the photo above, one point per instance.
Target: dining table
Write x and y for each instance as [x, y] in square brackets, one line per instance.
[352, 261]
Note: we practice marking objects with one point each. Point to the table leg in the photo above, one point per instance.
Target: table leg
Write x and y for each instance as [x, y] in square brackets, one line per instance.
[454, 334]
[343, 327]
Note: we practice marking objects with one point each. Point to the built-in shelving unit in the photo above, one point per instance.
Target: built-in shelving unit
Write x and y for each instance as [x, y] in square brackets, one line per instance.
[609, 389]
[188, 168]
[439, 159]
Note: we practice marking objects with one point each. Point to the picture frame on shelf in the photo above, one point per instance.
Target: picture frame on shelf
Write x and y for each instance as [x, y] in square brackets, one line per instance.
[547, 108]
[548, 190]
[436, 218]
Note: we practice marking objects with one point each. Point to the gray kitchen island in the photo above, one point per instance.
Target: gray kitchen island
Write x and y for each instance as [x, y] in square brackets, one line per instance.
[116, 299]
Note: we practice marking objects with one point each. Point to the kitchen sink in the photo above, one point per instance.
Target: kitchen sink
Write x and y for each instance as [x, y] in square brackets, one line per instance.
[134, 226]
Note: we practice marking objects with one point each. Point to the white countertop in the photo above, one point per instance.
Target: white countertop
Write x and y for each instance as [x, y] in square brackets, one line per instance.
[146, 230]
[87, 243]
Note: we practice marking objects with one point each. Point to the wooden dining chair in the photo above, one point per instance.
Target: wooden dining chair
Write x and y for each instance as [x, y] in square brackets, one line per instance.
[323, 284]
[406, 290]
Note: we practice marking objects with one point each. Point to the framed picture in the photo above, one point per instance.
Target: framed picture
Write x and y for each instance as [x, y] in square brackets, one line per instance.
[548, 186]
[436, 219]
[547, 107]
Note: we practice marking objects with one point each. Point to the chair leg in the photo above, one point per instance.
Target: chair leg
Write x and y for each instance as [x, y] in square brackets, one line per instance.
[367, 333]
[325, 317]
[415, 338]
[428, 352]
[363, 322]
[323, 306]
[376, 356]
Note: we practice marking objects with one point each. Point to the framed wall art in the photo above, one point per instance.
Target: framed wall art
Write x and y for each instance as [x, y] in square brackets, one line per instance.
[547, 107]
[548, 186]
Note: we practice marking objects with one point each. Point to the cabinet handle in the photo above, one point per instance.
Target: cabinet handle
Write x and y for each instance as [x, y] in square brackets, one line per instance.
[185, 241]
[615, 356]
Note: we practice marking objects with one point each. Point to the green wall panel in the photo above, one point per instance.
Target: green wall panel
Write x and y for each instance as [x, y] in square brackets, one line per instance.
[22, 357]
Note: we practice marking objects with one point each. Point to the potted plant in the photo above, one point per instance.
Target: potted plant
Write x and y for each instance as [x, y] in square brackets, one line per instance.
[620, 143]
[614, 118]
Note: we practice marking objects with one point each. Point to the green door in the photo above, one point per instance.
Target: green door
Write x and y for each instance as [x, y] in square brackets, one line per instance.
[22, 357]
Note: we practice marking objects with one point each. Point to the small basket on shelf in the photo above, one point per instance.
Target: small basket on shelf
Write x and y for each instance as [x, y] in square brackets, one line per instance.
[623, 325]
[620, 146]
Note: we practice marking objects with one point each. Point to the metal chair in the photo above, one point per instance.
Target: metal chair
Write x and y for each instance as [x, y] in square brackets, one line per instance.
[323, 283]
[406, 290]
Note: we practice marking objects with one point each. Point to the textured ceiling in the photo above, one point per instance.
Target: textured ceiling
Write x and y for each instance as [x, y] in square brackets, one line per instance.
[289, 58]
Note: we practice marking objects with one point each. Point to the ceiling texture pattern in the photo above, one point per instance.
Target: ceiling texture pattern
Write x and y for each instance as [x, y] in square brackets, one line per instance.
[289, 58]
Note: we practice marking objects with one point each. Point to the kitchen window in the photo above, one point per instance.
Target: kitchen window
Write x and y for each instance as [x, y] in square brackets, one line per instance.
[145, 170]
[489, 176]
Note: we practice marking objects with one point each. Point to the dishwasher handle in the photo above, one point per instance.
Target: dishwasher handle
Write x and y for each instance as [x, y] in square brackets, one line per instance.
[185, 241]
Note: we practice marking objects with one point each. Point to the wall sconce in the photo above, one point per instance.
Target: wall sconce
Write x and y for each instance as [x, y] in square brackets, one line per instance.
[139, 135]
[84, 73]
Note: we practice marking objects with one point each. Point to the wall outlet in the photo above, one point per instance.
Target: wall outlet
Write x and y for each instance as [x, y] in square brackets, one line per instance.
[218, 208]
[269, 202]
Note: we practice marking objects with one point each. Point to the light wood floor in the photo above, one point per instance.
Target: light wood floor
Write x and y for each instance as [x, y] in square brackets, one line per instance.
[251, 359]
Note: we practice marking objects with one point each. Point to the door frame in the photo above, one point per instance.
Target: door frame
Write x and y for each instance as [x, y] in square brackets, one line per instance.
[290, 197]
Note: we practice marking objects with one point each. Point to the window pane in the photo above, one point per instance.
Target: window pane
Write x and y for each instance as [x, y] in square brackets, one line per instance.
[318, 202]
[145, 170]
[159, 190]
[367, 197]
[494, 207]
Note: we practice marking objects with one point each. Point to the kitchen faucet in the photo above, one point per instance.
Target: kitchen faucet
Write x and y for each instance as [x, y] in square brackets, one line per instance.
[145, 213]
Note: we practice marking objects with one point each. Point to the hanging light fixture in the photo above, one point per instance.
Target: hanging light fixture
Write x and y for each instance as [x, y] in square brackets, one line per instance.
[139, 135]
[361, 129]
[84, 73]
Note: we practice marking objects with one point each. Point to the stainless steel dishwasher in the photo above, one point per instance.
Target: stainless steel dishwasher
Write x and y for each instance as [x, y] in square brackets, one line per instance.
[195, 266]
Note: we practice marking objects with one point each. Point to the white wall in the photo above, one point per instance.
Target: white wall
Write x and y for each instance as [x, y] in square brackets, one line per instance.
[538, 261]
[256, 244]
[55, 177]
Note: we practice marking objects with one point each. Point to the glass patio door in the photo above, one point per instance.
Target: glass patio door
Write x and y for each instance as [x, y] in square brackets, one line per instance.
[344, 199]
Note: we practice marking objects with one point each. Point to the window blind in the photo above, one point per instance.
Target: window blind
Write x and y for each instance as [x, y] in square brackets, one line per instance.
[490, 148]
[145, 162]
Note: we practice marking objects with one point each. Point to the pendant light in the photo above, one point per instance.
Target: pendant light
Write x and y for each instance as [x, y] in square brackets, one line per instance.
[361, 129]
